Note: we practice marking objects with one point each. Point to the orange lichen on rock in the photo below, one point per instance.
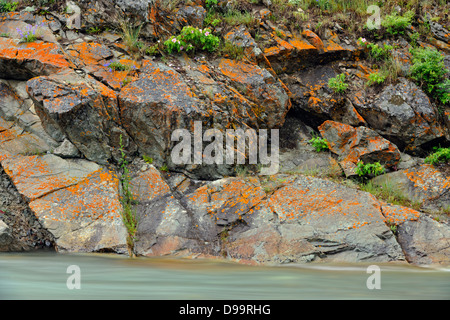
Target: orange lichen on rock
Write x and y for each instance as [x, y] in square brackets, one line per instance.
[314, 39]
[148, 185]
[47, 54]
[396, 215]
[36, 176]
[93, 198]
[428, 178]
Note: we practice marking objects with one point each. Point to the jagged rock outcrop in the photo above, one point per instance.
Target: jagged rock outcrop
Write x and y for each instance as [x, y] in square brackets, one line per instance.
[403, 114]
[423, 184]
[358, 144]
[281, 220]
[83, 112]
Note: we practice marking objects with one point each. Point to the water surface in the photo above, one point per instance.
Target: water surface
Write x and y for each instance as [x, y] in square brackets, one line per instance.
[45, 276]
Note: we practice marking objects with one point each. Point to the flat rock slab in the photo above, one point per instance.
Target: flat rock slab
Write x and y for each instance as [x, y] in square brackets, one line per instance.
[14, 140]
[85, 217]
[36, 176]
[309, 219]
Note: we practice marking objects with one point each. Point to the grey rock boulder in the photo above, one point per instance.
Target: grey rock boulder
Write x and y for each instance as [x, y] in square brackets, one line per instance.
[425, 241]
[403, 114]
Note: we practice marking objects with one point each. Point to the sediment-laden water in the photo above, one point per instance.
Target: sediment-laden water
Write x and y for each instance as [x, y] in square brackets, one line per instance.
[46, 276]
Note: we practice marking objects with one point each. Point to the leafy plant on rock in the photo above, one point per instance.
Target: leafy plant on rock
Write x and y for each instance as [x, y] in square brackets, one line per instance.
[376, 78]
[191, 39]
[128, 214]
[397, 24]
[376, 51]
[320, 144]
[338, 84]
[369, 169]
[429, 71]
[6, 6]
[440, 155]
[210, 4]
[30, 34]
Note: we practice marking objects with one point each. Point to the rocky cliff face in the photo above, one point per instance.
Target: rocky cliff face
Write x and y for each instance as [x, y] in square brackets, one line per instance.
[87, 116]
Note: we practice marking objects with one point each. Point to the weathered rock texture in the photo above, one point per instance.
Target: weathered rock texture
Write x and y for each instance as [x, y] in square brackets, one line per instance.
[80, 111]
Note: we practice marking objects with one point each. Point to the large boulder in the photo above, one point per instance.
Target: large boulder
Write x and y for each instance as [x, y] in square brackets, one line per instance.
[307, 219]
[77, 201]
[404, 114]
[223, 95]
[279, 220]
[154, 106]
[85, 216]
[424, 184]
[358, 144]
[261, 88]
[82, 110]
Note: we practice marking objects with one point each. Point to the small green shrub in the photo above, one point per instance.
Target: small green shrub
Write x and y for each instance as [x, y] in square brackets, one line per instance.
[210, 4]
[376, 78]
[94, 30]
[442, 91]
[429, 71]
[369, 169]
[147, 159]
[192, 38]
[376, 51]
[441, 155]
[128, 213]
[151, 50]
[320, 144]
[323, 4]
[118, 66]
[396, 24]
[6, 6]
[338, 84]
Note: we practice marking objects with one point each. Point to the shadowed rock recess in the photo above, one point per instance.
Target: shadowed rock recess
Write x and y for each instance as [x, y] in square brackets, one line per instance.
[88, 111]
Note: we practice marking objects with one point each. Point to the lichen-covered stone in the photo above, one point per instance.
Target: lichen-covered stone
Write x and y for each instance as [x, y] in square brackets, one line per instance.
[358, 144]
[313, 99]
[23, 61]
[423, 184]
[86, 216]
[405, 115]
[81, 109]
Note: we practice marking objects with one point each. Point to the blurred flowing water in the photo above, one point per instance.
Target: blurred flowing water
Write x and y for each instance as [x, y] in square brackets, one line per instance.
[102, 276]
